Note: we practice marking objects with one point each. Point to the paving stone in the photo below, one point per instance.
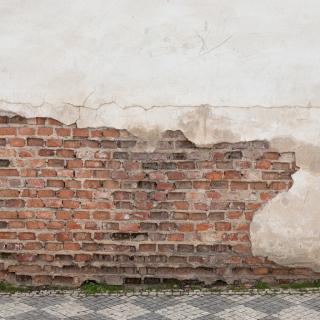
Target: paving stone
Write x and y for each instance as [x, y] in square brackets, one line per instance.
[162, 307]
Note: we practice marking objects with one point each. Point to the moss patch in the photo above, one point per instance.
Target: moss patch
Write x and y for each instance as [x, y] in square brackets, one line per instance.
[301, 285]
[94, 288]
[9, 288]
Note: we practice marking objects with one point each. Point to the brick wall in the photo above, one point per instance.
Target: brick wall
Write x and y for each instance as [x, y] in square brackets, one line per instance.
[90, 204]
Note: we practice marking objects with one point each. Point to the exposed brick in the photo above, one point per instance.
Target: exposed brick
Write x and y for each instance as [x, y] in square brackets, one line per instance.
[35, 142]
[79, 202]
[271, 155]
[222, 226]
[76, 132]
[8, 131]
[214, 175]
[17, 142]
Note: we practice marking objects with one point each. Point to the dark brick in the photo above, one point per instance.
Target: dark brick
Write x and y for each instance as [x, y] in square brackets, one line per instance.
[4, 163]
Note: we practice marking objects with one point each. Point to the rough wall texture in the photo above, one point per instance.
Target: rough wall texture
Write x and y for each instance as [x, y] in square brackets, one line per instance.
[79, 204]
[216, 70]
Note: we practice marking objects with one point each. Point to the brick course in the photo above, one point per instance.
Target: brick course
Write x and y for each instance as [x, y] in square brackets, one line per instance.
[89, 204]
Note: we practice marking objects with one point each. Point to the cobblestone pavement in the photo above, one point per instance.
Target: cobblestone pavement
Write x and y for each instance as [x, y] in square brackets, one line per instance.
[291, 306]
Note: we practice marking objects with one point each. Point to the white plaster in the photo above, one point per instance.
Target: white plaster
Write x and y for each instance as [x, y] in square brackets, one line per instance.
[160, 52]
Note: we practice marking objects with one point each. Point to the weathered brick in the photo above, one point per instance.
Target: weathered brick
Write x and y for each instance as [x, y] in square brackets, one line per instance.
[127, 214]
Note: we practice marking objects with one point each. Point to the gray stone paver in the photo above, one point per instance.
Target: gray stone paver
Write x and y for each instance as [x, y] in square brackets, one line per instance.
[201, 306]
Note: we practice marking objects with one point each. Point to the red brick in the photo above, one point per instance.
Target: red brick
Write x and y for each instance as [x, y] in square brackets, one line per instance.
[8, 214]
[65, 194]
[231, 174]
[26, 236]
[53, 122]
[175, 175]
[271, 155]
[25, 154]
[111, 133]
[8, 235]
[164, 186]
[239, 185]
[203, 227]
[65, 153]
[8, 172]
[16, 225]
[201, 185]
[35, 224]
[71, 164]
[263, 164]
[46, 236]
[101, 215]
[52, 246]
[264, 196]
[222, 226]
[258, 185]
[8, 131]
[35, 183]
[102, 154]
[56, 163]
[214, 175]
[77, 132]
[55, 183]
[25, 131]
[176, 237]
[72, 144]
[260, 271]
[71, 204]
[92, 184]
[9, 193]
[234, 214]
[181, 205]
[278, 185]
[242, 227]
[130, 227]
[44, 131]
[147, 247]
[71, 246]
[94, 164]
[64, 236]
[35, 142]
[213, 195]
[185, 227]
[240, 248]
[82, 257]
[64, 132]
[45, 215]
[55, 225]
[17, 142]
[54, 143]
[73, 225]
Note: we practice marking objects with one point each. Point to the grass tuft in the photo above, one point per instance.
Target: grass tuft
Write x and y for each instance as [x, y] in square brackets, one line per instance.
[301, 285]
[9, 288]
[94, 288]
[262, 285]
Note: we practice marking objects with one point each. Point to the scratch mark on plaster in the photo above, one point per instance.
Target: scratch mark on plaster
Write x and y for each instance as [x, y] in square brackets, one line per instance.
[217, 46]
